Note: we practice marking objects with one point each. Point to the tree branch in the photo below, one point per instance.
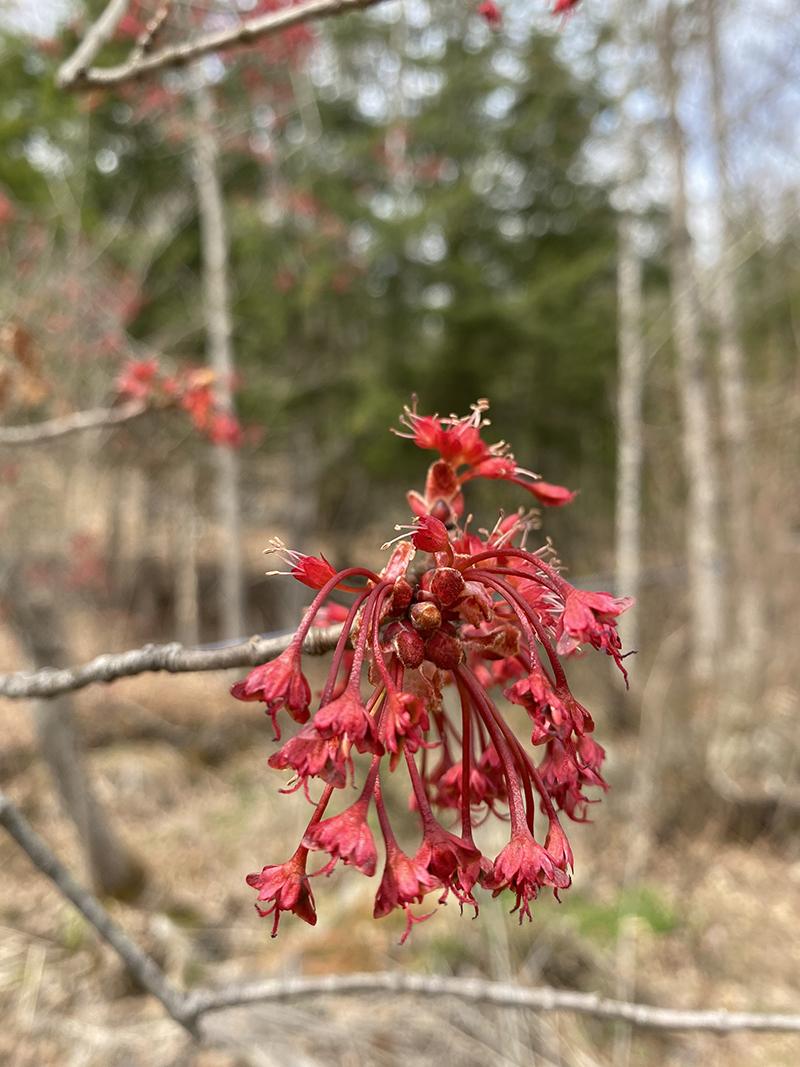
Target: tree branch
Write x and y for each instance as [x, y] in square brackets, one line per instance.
[143, 967]
[485, 991]
[187, 1009]
[76, 73]
[94, 419]
[98, 34]
[173, 658]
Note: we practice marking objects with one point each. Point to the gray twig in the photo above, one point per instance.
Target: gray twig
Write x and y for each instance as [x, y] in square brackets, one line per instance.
[98, 34]
[174, 658]
[485, 991]
[94, 419]
[76, 72]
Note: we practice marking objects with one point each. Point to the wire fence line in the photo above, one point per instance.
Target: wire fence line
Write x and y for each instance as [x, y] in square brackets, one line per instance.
[188, 1008]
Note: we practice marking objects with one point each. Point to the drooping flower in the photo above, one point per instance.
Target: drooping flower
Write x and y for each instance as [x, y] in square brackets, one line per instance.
[279, 684]
[311, 756]
[347, 837]
[525, 867]
[405, 881]
[347, 716]
[591, 618]
[286, 887]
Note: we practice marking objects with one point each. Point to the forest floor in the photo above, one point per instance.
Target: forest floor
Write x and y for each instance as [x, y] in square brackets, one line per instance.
[712, 919]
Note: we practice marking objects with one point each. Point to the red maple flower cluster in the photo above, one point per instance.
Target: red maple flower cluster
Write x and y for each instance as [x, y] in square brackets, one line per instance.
[191, 389]
[452, 615]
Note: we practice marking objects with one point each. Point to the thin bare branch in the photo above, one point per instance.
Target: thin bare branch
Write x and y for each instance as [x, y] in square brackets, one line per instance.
[173, 658]
[188, 1008]
[98, 34]
[483, 991]
[78, 75]
[95, 419]
[144, 969]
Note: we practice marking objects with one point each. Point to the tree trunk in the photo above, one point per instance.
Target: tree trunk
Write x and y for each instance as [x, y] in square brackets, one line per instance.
[113, 870]
[220, 357]
[705, 586]
[630, 447]
[747, 610]
[184, 552]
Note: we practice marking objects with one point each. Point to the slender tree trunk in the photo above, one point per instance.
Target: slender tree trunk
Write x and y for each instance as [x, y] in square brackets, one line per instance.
[220, 357]
[747, 609]
[113, 870]
[113, 537]
[184, 552]
[705, 585]
[630, 441]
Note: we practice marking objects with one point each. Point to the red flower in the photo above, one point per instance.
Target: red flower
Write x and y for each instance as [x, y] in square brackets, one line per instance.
[459, 443]
[563, 7]
[524, 867]
[591, 618]
[346, 715]
[312, 756]
[405, 881]
[403, 722]
[451, 860]
[279, 684]
[347, 837]
[313, 571]
[137, 378]
[225, 429]
[430, 535]
[286, 885]
[491, 12]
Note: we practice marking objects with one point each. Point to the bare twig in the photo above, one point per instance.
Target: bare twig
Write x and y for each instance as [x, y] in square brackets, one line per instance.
[144, 969]
[188, 1008]
[173, 658]
[483, 991]
[94, 419]
[76, 73]
[98, 34]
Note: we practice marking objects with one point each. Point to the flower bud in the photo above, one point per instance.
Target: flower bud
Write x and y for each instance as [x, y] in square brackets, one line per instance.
[444, 650]
[410, 648]
[425, 617]
[401, 596]
[447, 585]
[431, 535]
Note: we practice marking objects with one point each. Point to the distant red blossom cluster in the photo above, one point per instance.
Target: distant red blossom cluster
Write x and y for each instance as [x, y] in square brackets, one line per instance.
[191, 389]
[494, 16]
[454, 614]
